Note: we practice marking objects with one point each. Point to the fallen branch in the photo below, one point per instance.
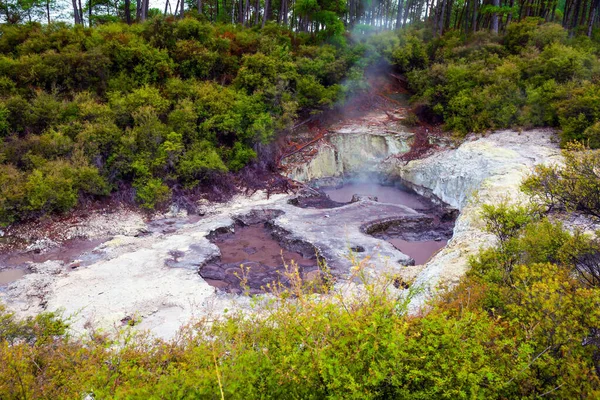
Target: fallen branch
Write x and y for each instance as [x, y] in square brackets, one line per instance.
[316, 139]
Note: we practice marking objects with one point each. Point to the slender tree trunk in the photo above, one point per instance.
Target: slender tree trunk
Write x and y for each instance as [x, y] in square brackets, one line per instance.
[166, 7]
[474, 21]
[257, 12]
[90, 13]
[48, 10]
[199, 5]
[241, 12]
[182, 7]
[440, 28]
[509, 16]
[591, 18]
[128, 11]
[574, 20]
[264, 20]
[449, 7]
[583, 12]
[495, 17]
[459, 17]
[405, 12]
[75, 13]
[399, 15]
[80, 12]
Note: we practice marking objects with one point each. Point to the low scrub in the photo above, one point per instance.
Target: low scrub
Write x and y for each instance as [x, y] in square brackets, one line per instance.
[531, 76]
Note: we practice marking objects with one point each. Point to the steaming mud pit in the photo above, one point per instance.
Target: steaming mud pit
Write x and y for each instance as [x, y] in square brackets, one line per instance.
[396, 194]
[152, 274]
[418, 242]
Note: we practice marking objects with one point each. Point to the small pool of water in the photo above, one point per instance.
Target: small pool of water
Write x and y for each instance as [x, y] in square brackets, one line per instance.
[264, 258]
[255, 244]
[68, 251]
[420, 251]
[420, 245]
[384, 194]
[10, 275]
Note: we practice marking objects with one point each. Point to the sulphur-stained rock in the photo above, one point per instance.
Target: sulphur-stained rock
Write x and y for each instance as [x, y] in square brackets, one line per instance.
[349, 149]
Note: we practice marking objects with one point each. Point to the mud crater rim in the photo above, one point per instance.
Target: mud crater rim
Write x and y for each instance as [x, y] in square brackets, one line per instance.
[419, 237]
[268, 255]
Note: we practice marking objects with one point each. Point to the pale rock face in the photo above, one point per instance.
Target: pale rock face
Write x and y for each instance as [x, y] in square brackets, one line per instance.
[482, 170]
[487, 170]
[347, 153]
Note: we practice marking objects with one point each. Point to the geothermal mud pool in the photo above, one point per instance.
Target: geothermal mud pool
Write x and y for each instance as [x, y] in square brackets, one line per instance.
[250, 253]
[261, 255]
[10, 275]
[396, 194]
[170, 271]
[419, 242]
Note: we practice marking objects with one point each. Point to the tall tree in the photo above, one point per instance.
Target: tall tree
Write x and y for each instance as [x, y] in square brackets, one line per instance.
[265, 13]
[495, 16]
[399, 15]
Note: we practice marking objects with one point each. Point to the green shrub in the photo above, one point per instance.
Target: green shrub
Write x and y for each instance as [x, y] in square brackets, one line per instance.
[574, 187]
[198, 162]
[51, 188]
[578, 112]
[152, 192]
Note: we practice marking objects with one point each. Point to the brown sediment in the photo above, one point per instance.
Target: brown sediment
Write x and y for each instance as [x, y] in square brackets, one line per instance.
[68, 251]
[252, 255]
[10, 275]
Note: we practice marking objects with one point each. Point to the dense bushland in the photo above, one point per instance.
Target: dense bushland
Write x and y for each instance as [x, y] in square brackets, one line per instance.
[532, 76]
[523, 323]
[168, 105]
[160, 105]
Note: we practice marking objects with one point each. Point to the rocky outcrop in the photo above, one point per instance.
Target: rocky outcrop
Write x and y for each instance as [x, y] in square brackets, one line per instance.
[348, 150]
[152, 277]
[482, 170]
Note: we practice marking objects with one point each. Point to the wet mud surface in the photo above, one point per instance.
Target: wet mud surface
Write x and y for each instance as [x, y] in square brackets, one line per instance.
[10, 275]
[68, 251]
[256, 251]
[383, 194]
[73, 253]
[420, 251]
[418, 238]
[253, 260]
